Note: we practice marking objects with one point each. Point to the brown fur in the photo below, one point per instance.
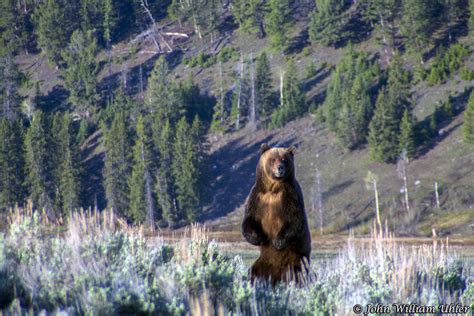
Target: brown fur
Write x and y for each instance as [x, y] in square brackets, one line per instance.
[275, 218]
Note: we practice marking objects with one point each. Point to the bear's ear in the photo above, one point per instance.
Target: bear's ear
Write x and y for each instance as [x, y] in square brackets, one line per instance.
[292, 150]
[263, 148]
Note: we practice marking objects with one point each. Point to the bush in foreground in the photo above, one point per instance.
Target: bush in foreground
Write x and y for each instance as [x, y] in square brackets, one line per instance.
[100, 266]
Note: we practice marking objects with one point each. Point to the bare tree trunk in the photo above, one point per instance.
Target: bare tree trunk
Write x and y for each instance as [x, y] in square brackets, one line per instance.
[253, 111]
[155, 30]
[320, 201]
[437, 194]
[239, 93]
[142, 92]
[282, 74]
[377, 207]
[221, 91]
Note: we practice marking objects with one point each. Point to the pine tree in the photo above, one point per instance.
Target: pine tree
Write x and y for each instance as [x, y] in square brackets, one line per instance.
[69, 170]
[140, 186]
[293, 103]
[407, 135]
[13, 29]
[327, 22]
[80, 76]
[417, 24]
[453, 12]
[249, 14]
[54, 22]
[468, 124]
[161, 97]
[263, 85]
[384, 129]
[38, 161]
[471, 16]
[117, 165]
[164, 188]
[12, 164]
[185, 172]
[278, 23]
[10, 81]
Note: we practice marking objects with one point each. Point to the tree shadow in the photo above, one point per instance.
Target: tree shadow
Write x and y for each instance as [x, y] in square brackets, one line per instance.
[428, 138]
[231, 175]
[321, 74]
[93, 192]
[298, 43]
[55, 100]
[336, 189]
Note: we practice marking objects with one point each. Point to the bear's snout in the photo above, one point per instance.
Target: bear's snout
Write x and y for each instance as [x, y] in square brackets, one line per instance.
[280, 170]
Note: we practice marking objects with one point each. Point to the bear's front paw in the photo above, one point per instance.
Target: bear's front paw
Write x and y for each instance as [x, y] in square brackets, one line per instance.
[254, 239]
[279, 244]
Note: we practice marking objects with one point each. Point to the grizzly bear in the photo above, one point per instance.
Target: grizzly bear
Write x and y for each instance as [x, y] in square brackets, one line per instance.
[275, 218]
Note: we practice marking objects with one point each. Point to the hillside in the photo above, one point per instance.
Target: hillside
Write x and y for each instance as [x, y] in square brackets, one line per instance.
[230, 156]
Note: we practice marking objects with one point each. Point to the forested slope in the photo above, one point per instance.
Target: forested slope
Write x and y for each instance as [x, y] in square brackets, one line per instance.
[157, 109]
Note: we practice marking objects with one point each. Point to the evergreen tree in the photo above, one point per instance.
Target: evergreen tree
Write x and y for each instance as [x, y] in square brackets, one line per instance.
[453, 12]
[327, 22]
[161, 97]
[471, 16]
[263, 85]
[468, 124]
[249, 14]
[348, 107]
[68, 181]
[293, 103]
[117, 165]
[185, 171]
[384, 129]
[278, 23]
[80, 76]
[140, 186]
[407, 135]
[13, 27]
[383, 15]
[164, 188]
[12, 164]
[417, 24]
[38, 161]
[10, 81]
[54, 22]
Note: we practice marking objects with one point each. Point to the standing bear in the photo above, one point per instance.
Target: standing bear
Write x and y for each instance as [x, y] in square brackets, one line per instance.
[275, 218]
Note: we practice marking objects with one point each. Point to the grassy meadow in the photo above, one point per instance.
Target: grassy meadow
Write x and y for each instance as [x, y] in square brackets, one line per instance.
[95, 264]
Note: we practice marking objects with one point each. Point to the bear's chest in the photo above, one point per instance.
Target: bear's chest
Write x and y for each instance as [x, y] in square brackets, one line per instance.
[272, 213]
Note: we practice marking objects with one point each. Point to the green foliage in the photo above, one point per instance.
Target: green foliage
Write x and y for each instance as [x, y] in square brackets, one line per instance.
[140, 186]
[471, 16]
[249, 14]
[117, 164]
[384, 129]
[185, 169]
[293, 103]
[468, 124]
[162, 140]
[263, 85]
[68, 168]
[466, 74]
[55, 20]
[310, 70]
[104, 270]
[206, 60]
[10, 83]
[348, 108]
[446, 62]
[80, 75]
[39, 163]
[417, 24]
[407, 134]
[161, 97]
[278, 23]
[12, 164]
[327, 22]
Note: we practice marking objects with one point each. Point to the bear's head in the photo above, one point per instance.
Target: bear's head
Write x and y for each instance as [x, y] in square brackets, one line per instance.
[277, 164]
